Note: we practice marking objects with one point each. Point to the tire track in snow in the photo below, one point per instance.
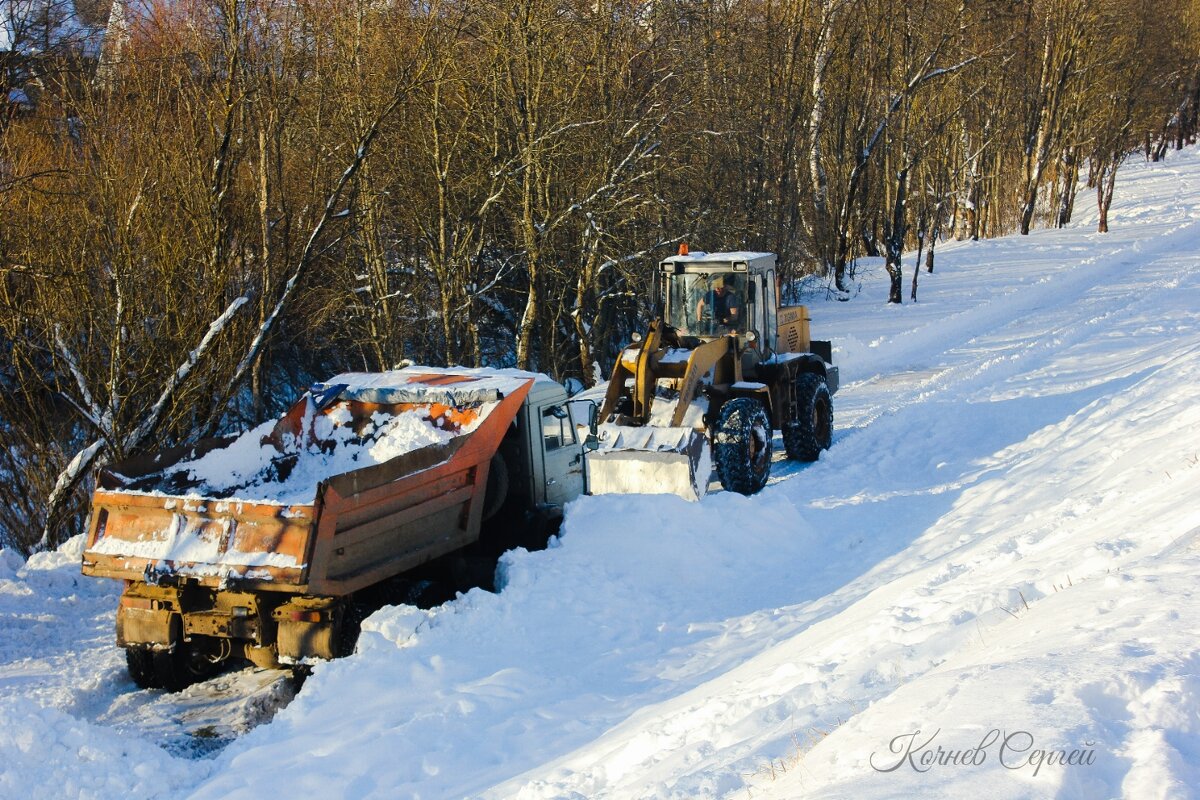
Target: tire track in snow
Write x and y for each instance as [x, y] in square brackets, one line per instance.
[961, 368]
[1052, 290]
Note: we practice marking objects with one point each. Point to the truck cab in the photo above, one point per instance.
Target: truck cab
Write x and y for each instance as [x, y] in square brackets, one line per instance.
[543, 452]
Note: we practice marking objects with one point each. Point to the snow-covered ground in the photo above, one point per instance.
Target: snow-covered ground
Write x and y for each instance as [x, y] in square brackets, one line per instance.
[986, 588]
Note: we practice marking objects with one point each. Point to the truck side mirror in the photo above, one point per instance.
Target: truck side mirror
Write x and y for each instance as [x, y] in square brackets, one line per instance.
[592, 442]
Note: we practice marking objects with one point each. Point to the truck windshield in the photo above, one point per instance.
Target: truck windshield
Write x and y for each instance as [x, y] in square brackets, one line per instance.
[710, 304]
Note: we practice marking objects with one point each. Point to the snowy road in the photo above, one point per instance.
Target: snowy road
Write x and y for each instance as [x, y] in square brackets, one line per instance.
[1004, 537]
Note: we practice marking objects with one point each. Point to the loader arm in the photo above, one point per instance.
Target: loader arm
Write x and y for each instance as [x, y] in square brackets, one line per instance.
[647, 365]
[640, 454]
[703, 359]
[639, 367]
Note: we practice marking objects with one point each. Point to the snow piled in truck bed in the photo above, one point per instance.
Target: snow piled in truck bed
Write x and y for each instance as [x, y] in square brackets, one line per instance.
[247, 469]
[1004, 537]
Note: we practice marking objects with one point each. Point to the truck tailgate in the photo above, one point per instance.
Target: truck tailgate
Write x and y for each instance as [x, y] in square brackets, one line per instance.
[149, 537]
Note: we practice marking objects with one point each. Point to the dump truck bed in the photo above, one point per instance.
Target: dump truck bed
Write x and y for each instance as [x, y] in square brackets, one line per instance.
[360, 526]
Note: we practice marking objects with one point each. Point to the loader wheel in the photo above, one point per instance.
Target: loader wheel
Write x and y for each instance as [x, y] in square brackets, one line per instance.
[742, 445]
[812, 431]
[140, 663]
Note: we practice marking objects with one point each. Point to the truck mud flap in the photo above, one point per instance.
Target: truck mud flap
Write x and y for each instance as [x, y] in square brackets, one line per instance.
[309, 628]
[145, 622]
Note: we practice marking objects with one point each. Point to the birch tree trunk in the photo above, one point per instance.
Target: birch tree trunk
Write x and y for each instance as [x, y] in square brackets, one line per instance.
[821, 227]
[895, 231]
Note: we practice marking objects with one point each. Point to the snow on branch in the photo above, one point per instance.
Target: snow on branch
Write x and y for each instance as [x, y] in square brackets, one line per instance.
[89, 407]
[181, 373]
[75, 471]
[68, 479]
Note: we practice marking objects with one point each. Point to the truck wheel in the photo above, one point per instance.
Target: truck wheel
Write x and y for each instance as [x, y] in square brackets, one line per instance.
[742, 445]
[812, 431]
[497, 486]
[175, 670]
[350, 626]
[140, 663]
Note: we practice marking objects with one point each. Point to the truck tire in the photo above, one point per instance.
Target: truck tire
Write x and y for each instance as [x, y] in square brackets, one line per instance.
[497, 486]
[140, 663]
[350, 626]
[742, 445]
[812, 431]
[177, 669]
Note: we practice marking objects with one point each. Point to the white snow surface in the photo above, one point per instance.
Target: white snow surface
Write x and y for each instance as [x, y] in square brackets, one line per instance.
[1004, 537]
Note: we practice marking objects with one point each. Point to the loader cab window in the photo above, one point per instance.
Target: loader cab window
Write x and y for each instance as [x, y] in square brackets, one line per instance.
[712, 304]
[557, 430]
[770, 304]
[683, 292]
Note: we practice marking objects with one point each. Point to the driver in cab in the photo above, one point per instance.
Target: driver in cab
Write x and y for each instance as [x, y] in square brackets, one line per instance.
[721, 301]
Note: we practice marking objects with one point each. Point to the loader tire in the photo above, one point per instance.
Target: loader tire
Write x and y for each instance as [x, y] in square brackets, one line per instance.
[140, 663]
[812, 431]
[742, 445]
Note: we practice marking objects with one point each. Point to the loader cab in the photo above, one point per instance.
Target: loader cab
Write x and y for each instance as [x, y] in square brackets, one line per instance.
[688, 291]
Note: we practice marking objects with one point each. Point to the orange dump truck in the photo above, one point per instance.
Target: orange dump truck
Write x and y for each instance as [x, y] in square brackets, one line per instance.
[255, 546]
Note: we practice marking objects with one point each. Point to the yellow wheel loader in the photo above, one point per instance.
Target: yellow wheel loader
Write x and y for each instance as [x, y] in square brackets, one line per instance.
[722, 368]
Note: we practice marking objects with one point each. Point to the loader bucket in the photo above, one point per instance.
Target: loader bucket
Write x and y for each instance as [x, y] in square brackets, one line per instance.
[650, 460]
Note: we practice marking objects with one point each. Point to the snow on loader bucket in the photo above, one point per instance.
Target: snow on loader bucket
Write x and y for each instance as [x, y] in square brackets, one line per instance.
[653, 437]
[650, 460]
